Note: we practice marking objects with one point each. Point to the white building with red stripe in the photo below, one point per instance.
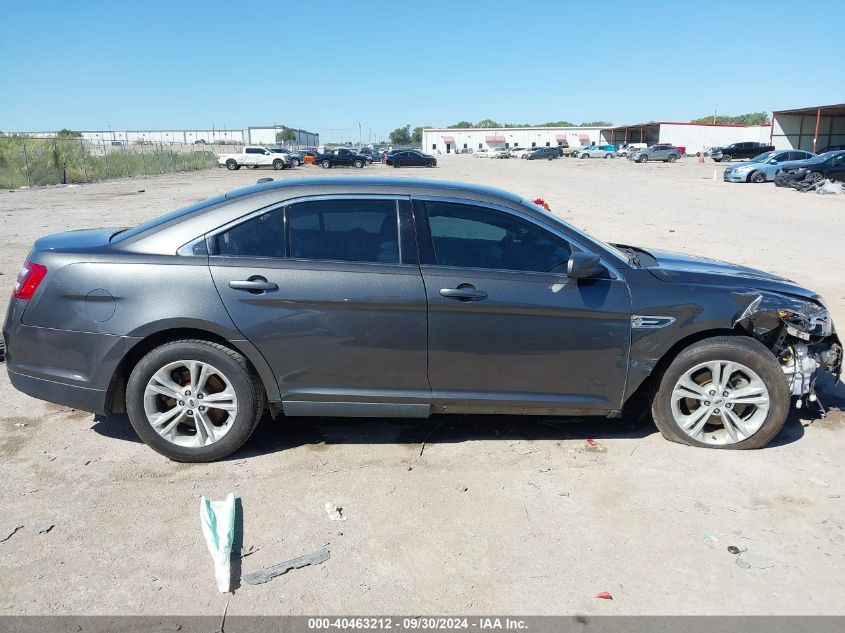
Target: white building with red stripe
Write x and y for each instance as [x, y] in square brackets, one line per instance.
[462, 140]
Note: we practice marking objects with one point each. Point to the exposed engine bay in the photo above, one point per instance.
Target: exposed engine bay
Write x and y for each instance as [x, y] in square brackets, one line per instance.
[800, 333]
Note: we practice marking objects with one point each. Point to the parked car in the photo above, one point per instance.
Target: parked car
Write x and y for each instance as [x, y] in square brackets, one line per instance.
[253, 156]
[598, 151]
[340, 157]
[748, 149]
[411, 158]
[832, 148]
[372, 155]
[519, 152]
[544, 153]
[828, 165]
[401, 298]
[629, 147]
[500, 152]
[666, 152]
[570, 151]
[763, 168]
[294, 158]
[483, 153]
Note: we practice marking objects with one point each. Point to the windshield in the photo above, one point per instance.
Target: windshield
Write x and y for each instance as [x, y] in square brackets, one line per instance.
[822, 157]
[762, 157]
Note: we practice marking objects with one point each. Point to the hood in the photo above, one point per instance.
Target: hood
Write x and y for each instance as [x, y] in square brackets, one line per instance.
[677, 268]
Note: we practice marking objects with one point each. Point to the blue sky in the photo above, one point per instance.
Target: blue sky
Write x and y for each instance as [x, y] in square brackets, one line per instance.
[327, 65]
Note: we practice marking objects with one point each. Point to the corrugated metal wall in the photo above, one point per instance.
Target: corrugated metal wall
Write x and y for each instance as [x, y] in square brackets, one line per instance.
[474, 139]
[795, 131]
[697, 137]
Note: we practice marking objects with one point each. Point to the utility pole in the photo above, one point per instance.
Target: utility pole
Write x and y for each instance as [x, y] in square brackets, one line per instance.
[716, 109]
[360, 139]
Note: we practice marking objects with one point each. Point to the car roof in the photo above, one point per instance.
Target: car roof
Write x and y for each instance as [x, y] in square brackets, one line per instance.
[168, 233]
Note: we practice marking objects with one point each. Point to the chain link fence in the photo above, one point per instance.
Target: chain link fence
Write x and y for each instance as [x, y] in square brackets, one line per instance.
[27, 161]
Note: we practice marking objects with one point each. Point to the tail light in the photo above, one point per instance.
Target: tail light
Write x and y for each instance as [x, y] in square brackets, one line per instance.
[29, 279]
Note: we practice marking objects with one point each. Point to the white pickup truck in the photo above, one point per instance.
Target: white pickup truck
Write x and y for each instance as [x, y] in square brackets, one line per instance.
[254, 156]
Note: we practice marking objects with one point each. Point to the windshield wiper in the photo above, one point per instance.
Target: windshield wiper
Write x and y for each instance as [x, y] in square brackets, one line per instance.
[635, 258]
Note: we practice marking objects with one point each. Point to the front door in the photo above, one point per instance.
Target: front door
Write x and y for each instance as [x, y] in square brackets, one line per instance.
[508, 330]
[330, 292]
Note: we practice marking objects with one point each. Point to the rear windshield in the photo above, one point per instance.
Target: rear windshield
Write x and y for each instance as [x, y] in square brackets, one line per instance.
[164, 219]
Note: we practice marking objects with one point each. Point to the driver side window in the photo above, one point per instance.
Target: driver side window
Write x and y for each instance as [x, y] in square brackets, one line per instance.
[469, 236]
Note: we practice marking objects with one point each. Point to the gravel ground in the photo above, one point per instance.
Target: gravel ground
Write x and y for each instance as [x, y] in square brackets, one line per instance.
[497, 514]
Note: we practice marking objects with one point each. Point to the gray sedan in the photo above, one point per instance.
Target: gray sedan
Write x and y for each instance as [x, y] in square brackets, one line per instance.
[763, 168]
[401, 298]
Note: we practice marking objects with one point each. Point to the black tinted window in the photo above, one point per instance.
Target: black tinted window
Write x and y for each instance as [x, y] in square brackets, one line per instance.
[345, 230]
[476, 237]
[254, 150]
[260, 236]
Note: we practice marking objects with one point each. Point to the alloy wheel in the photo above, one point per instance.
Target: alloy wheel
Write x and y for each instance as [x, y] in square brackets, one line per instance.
[190, 403]
[720, 402]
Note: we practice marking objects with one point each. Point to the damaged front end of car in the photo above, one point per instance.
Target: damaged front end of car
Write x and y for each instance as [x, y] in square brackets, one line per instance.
[800, 333]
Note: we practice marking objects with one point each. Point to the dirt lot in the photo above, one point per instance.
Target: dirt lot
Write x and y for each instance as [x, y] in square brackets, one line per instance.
[502, 515]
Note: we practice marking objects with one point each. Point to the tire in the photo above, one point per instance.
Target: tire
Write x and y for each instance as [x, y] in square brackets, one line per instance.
[584, 155]
[358, 164]
[737, 351]
[758, 177]
[296, 162]
[606, 156]
[642, 158]
[726, 158]
[430, 163]
[326, 164]
[396, 164]
[232, 164]
[814, 176]
[718, 160]
[671, 158]
[278, 164]
[241, 379]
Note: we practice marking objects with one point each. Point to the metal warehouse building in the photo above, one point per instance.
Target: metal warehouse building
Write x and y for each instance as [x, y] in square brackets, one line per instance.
[812, 129]
[457, 140]
[266, 135]
[692, 136]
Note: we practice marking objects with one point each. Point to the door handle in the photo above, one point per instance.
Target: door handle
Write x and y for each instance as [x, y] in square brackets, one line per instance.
[255, 285]
[463, 293]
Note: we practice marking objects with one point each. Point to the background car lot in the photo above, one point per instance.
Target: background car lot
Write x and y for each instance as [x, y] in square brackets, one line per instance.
[523, 513]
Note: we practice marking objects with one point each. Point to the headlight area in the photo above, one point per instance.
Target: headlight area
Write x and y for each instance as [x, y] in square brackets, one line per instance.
[801, 335]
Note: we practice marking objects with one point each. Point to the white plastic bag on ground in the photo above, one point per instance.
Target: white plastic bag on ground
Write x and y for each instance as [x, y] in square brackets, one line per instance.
[218, 527]
[830, 186]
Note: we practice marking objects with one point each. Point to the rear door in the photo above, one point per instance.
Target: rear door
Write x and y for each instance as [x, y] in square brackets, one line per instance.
[837, 168]
[508, 330]
[330, 291]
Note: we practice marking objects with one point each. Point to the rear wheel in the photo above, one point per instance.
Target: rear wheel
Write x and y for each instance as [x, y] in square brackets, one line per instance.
[608, 156]
[194, 400]
[358, 164]
[296, 162]
[326, 164]
[723, 392]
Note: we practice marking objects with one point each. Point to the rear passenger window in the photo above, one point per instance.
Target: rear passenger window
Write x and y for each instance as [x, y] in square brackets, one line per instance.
[260, 236]
[345, 230]
[469, 236]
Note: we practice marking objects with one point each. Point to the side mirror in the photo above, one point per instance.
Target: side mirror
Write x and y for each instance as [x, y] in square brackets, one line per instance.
[583, 265]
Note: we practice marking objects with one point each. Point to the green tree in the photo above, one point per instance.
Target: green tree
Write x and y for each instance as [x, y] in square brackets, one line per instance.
[487, 123]
[460, 125]
[285, 135]
[401, 135]
[596, 124]
[416, 137]
[557, 124]
[751, 118]
[65, 133]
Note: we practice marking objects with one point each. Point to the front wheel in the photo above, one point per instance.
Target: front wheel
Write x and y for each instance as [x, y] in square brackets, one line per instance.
[232, 164]
[642, 159]
[430, 163]
[758, 177]
[671, 158]
[585, 155]
[815, 176]
[194, 400]
[722, 392]
[278, 164]
[396, 164]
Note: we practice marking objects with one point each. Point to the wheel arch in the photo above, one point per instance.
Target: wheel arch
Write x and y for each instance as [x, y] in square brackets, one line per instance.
[116, 394]
[638, 391]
